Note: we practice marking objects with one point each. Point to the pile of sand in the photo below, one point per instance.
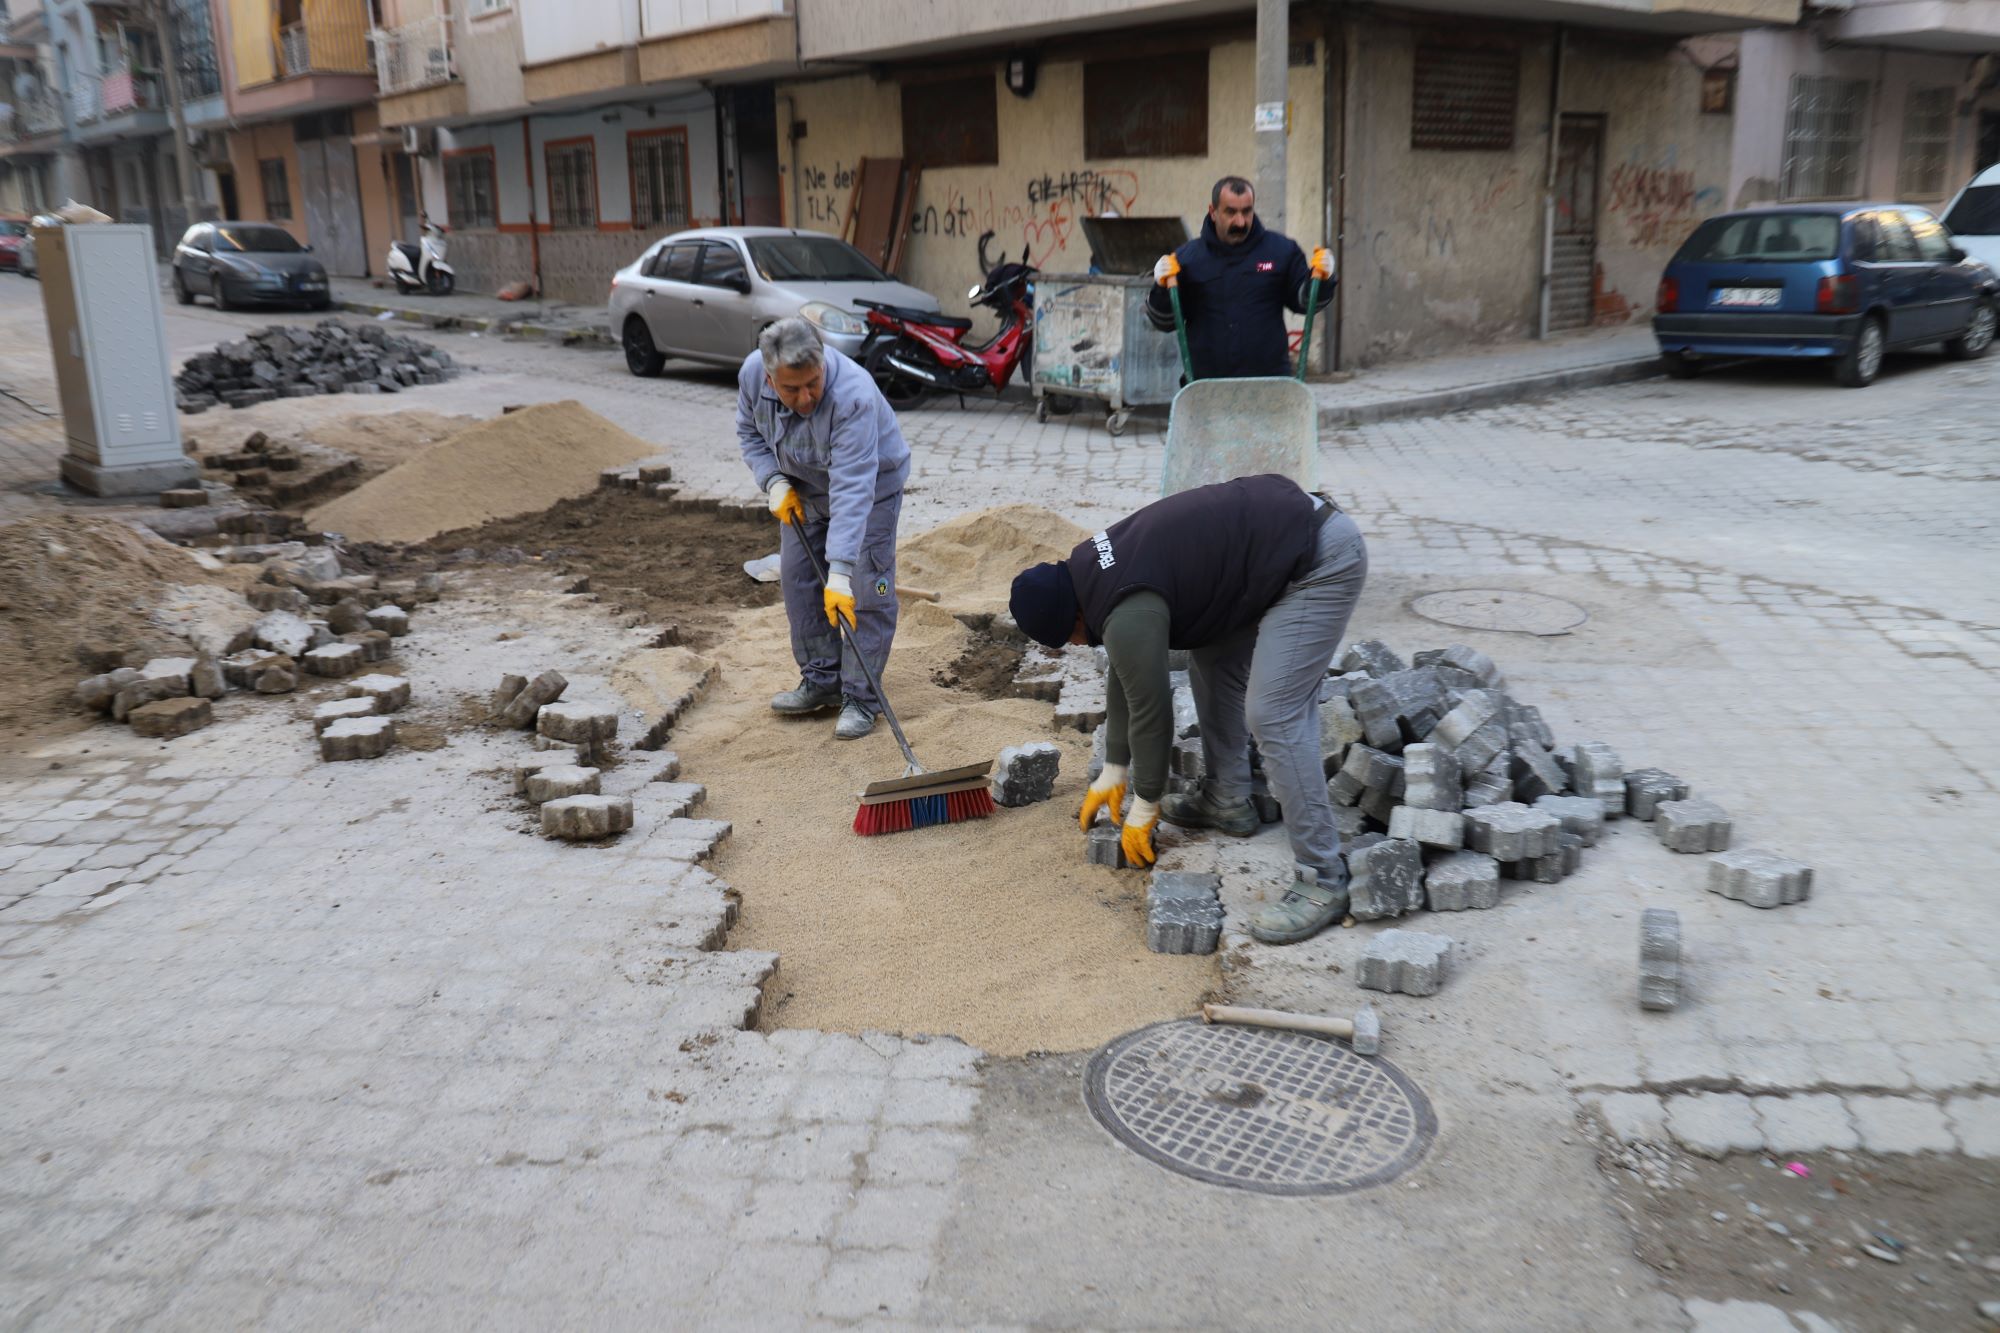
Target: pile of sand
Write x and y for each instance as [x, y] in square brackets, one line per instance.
[992, 930]
[519, 463]
[68, 579]
[972, 560]
[381, 440]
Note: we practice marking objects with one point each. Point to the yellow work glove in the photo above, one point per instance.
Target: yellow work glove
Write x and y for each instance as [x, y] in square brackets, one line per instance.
[1137, 835]
[1107, 792]
[839, 600]
[1167, 272]
[784, 502]
[1322, 262]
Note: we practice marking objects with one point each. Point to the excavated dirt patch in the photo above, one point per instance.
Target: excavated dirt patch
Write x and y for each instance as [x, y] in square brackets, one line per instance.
[674, 566]
[986, 667]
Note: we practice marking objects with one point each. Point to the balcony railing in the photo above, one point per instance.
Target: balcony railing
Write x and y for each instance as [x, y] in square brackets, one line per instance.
[37, 113]
[334, 40]
[95, 97]
[415, 55]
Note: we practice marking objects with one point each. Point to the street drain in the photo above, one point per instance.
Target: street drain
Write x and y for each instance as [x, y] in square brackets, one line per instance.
[1259, 1109]
[1500, 609]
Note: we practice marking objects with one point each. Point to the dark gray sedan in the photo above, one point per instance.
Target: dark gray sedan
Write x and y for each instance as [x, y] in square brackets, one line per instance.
[247, 263]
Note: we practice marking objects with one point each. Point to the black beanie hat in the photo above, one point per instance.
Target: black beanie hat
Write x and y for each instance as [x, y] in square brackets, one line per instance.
[1044, 603]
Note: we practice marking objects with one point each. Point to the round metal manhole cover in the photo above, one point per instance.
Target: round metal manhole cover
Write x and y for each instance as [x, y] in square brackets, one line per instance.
[1501, 609]
[1259, 1109]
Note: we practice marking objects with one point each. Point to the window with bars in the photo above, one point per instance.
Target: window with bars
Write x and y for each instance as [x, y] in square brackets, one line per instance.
[1826, 137]
[277, 190]
[469, 190]
[1155, 106]
[194, 50]
[1464, 98]
[572, 170]
[951, 123]
[658, 162]
[1926, 143]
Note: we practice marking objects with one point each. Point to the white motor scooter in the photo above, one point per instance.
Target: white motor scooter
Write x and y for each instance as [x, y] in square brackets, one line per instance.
[422, 269]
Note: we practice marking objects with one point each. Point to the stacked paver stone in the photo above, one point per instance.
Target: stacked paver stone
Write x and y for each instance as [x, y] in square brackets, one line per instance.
[331, 357]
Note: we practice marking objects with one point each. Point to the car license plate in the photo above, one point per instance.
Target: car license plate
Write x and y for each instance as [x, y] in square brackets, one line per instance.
[1748, 295]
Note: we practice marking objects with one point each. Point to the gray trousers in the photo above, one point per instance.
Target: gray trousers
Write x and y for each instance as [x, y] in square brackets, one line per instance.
[822, 657]
[1264, 683]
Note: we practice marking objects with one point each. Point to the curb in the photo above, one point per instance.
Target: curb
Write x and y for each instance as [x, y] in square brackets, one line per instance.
[1495, 394]
[568, 336]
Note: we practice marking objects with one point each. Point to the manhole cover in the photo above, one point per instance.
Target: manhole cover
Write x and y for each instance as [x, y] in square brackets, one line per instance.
[1500, 609]
[1259, 1109]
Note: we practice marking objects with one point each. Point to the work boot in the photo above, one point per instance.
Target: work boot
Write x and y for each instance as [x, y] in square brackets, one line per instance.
[807, 698]
[1306, 908]
[1202, 810]
[856, 720]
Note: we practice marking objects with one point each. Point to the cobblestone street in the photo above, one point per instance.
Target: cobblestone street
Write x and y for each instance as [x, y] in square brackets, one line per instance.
[337, 1046]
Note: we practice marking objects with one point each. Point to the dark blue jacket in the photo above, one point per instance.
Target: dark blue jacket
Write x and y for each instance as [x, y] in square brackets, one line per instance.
[1234, 299]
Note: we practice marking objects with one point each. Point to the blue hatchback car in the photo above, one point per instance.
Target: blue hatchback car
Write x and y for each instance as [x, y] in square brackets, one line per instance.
[1842, 282]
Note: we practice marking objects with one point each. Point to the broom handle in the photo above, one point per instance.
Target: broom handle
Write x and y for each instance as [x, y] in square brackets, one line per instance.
[1306, 342]
[819, 572]
[1180, 332]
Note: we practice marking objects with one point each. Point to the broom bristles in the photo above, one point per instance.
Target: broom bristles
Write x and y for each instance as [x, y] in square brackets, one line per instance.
[923, 812]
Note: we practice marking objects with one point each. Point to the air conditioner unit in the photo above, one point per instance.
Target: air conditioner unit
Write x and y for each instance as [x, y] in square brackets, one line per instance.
[419, 141]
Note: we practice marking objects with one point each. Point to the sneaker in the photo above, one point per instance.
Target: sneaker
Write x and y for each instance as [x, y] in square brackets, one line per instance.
[1306, 908]
[1202, 810]
[807, 698]
[856, 720]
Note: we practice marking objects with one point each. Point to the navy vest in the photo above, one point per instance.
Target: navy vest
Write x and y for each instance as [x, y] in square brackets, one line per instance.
[1219, 555]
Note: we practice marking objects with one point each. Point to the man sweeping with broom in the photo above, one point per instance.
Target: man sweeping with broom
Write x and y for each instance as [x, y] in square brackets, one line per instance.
[1256, 579]
[826, 451]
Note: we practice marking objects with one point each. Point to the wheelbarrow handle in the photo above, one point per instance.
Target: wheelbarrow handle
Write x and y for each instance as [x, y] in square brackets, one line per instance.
[1180, 333]
[1306, 341]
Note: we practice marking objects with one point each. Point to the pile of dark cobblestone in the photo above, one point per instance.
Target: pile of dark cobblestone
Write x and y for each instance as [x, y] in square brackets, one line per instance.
[332, 356]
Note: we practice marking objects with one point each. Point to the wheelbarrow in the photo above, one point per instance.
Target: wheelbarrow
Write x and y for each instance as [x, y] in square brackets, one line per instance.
[1218, 430]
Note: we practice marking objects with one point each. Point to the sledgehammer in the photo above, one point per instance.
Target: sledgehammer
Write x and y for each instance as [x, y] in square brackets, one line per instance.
[1364, 1032]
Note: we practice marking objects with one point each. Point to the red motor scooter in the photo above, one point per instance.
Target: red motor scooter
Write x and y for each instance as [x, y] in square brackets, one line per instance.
[912, 353]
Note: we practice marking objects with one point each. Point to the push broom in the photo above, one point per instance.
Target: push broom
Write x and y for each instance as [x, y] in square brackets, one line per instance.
[920, 798]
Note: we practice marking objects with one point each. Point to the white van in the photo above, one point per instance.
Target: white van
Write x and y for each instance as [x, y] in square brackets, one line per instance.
[1974, 218]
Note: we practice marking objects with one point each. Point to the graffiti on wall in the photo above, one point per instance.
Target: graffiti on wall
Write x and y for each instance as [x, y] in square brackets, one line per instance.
[1659, 204]
[1044, 217]
[823, 194]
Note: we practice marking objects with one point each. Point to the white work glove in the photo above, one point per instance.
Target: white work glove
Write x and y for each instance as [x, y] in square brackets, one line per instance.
[1167, 271]
[1107, 792]
[784, 501]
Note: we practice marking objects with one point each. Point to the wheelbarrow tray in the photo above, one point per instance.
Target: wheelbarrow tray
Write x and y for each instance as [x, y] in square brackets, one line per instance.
[1227, 428]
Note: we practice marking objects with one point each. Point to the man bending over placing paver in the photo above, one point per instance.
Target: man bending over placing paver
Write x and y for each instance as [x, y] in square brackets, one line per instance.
[1256, 579]
[826, 451]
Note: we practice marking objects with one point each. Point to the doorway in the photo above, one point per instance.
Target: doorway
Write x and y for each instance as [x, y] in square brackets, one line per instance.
[1573, 251]
[225, 185]
[754, 119]
[407, 207]
[330, 192]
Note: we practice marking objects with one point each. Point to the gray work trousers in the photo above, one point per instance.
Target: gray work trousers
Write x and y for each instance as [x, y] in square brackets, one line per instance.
[822, 657]
[1264, 682]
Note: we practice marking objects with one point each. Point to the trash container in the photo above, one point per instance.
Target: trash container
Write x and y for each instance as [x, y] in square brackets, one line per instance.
[1093, 341]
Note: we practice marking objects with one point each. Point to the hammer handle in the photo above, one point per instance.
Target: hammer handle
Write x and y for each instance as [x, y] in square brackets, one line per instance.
[1276, 1018]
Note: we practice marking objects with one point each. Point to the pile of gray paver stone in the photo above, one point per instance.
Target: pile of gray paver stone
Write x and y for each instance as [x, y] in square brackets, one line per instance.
[333, 356]
[562, 779]
[305, 617]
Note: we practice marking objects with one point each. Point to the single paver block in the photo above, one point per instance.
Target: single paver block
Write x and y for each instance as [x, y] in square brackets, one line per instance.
[1185, 760]
[585, 818]
[1366, 769]
[1462, 881]
[373, 643]
[392, 620]
[1596, 771]
[523, 708]
[523, 769]
[347, 616]
[576, 722]
[1645, 788]
[1580, 815]
[1407, 961]
[510, 686]
[1370, 655]
[1761, 879]
[1806, 1122]
[1525, 726]
[168, 718]
[97, 692]
[1901, 1125]
[140, 693]
[1554, 868]
[560, 780]
[357, 738]
[336, 659]
[1104, 846]
[1470, 660]
[571, 753]
[1026, 774]
[1659, 958]
[1339, 728]
[1443, 829]
[1183, 911]
[282, 632]
[1693, 825]
[327, 714]
[1378, 805]
[1714, 1124]
[1511, 831]
[1491, 785]
[207, 680]
[390, 693]
[1431, 778]
[1632, 1117]
[1475, 731]
[189, 497]
[1400, 706]
[1349, 822]
[1536, 773]
[172, 671]
[277, 679]
[1386, 879]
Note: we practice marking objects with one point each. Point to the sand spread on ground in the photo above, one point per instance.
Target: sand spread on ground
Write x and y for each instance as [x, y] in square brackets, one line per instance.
[518, 463]
[67, 579]
[992, 930]
[652, 679]
[971, 560]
